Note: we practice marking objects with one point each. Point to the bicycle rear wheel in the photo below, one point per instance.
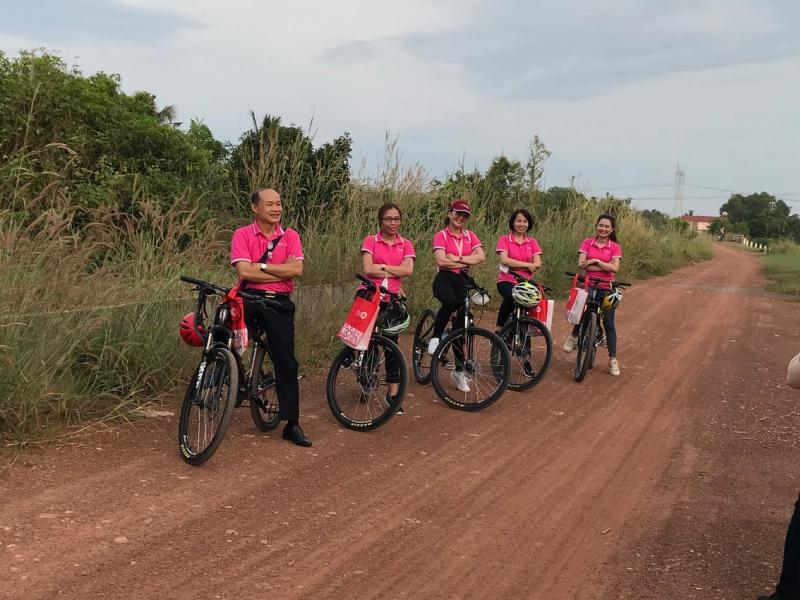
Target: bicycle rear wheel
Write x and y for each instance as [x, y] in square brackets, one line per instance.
[477, 380]
[530, 347]
[208, 406]
[420, 359]
[586, 336]
[262, 393]
[358, 390]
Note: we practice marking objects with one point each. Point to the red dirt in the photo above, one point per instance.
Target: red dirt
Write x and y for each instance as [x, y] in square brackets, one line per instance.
[675, 480]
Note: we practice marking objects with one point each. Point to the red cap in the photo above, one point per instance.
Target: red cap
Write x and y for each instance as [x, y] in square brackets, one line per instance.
[460, 205]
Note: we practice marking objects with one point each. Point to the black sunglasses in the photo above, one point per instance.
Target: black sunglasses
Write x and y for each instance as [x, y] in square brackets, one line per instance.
[462, 214]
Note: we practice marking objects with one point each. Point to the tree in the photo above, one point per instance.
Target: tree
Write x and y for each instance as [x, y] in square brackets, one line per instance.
[503, 185]
[537, 155]
[761, 215]
[656, 219]
[283, 157]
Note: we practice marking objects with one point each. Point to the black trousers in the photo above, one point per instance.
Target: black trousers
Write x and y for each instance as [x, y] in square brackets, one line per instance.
[507, 306]
[789, 584]
[278, 324]
[392, 368]
[449, 288]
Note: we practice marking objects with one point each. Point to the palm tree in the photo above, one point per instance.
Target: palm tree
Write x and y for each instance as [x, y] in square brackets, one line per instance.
[167, 114]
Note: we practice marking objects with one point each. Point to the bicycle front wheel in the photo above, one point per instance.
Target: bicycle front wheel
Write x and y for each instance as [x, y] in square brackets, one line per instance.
[262, 393]
[358, 384]
[208, 406]
[480, 372]
[530, 347]
[420, 359]
[587, 333]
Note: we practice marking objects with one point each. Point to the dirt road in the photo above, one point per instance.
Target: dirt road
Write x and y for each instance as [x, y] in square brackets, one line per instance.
[675, 480]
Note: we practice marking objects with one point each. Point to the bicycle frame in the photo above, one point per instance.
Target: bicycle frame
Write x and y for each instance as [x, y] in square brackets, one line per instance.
[218, 334]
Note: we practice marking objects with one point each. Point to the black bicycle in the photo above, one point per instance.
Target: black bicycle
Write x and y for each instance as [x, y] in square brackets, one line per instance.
[528, 340]
[359, 380]
[590, 329]
[220, 382]
[420, 359]
[470, 367]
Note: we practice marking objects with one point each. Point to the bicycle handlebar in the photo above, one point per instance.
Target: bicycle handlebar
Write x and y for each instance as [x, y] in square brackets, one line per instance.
[208, 287]
[371, 286]
[521, 278]
[598, 280]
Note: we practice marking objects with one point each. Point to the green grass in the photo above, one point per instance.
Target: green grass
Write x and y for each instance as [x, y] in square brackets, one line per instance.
[783, 273]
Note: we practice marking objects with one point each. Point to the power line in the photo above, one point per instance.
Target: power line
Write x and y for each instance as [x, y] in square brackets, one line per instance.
[708, 187]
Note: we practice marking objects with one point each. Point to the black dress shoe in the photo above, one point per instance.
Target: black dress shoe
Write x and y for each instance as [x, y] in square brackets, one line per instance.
[296, 436]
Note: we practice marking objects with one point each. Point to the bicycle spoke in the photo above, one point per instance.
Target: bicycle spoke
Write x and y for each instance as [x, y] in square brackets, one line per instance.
[479, 370]
[358, 385]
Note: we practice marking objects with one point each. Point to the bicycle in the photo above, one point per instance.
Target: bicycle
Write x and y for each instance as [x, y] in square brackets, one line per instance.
[358, 386]
[529, 343]
[590, 329]
[480, 356]
[420, 359]
[220, 382]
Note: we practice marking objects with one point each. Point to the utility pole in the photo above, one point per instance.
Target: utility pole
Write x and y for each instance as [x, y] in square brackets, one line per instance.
[677, 210]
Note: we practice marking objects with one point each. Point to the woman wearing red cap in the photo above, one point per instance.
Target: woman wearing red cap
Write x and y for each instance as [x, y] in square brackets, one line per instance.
[454, 248]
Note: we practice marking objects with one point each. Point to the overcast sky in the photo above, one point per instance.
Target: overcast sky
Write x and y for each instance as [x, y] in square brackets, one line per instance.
[620, 91]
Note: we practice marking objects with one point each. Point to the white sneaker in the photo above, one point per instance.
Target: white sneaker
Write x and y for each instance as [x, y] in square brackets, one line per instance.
[432, 345]
[613, 367]
[569, 343]
[460, 379]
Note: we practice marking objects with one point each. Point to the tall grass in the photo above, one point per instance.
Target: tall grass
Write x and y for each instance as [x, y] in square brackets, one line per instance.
[92, 297]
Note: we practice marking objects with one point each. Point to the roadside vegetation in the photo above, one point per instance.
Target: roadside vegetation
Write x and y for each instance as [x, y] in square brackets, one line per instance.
[105, 199]
[782, 267]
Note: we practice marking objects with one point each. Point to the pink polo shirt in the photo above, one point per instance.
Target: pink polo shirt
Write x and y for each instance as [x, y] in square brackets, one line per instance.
[384, 253]
[462, 245]
[605, 253]
[524, 252]
[249, 244]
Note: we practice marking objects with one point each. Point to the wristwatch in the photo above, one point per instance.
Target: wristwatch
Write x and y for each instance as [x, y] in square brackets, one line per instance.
[262, 267]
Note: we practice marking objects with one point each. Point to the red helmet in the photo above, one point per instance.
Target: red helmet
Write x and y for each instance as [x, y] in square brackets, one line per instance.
[194, 336]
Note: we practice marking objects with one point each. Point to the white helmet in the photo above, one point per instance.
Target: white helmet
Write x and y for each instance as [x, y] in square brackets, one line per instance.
[612, 299]
[526, 294]
[394, 319]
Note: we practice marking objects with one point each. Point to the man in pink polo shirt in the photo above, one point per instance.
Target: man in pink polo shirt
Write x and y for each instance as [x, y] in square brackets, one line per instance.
[267, 258]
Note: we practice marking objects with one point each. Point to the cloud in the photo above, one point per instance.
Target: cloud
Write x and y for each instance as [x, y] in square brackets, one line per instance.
[620, 92]
[572, 50]
[68, 22]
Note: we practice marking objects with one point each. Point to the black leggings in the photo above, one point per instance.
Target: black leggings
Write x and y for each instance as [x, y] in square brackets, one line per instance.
[392, 368]
[449, 288]
[506, 308]
[611, 332]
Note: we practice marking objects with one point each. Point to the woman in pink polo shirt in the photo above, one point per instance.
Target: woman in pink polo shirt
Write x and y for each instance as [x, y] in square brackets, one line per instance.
[519, 253]
[454, 248]
[387, 255]
[599, 257]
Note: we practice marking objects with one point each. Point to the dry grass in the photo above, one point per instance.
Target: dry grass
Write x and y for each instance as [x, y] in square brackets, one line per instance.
[92, 297]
